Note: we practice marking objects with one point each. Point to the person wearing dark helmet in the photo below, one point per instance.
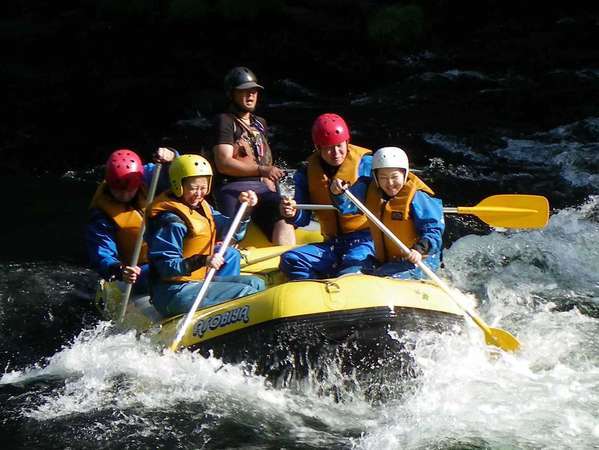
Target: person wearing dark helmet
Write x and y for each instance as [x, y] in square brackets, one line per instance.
[116, 215]
[244, 160]
[348, 245]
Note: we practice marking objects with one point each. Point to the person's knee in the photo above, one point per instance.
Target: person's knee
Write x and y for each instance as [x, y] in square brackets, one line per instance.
[257, 284]
[251, 286]
[288, 260]
[292, 268]
[232, 256]
[358, 259]
[292, 261]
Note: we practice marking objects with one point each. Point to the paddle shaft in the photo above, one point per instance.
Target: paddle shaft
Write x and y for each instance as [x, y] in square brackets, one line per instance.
[315, 207]
[251, 262]
[140, 239]
[209, 276]
[424, 268]
[446, 210]
[501, 211]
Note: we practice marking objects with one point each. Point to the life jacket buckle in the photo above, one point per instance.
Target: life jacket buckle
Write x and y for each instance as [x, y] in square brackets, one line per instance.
[332, 287]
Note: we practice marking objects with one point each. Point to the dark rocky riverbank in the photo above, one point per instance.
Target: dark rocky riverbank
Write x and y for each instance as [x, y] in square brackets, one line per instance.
[83, 79]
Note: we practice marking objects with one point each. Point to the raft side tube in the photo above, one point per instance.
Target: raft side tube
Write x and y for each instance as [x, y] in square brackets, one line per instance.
[309, 299]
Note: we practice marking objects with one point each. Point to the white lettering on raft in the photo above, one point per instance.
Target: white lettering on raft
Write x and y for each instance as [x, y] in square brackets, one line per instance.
[222, 320]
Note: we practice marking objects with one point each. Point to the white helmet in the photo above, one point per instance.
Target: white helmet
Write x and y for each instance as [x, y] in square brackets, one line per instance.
[390, 158]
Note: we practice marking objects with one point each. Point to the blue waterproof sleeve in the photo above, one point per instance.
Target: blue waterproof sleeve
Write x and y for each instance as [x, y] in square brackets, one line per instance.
[165, 245]
[302, 195]
[102, 250]
[359, 188]
[100, 243]
[427, 213]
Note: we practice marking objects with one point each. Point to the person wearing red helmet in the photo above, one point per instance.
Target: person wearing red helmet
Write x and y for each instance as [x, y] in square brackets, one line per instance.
[243, 158]
[116, 215]
[348, 245]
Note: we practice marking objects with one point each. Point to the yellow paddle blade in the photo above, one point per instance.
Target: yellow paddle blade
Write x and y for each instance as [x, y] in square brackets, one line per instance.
[502, 339]
[511, 211]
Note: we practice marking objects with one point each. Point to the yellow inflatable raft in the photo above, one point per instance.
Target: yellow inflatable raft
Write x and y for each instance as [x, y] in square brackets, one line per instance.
[287, 327]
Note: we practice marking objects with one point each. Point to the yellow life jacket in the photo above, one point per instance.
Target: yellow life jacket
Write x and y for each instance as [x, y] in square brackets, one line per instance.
[128, 218]
[201, 230]
[331, 222]
[395, 215]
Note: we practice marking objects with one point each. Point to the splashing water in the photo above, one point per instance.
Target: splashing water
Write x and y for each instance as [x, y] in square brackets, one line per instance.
[546, 396]
[131, 381]
[111, 390]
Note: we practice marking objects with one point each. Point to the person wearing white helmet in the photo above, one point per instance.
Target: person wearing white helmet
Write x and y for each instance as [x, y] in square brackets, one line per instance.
[404, 203]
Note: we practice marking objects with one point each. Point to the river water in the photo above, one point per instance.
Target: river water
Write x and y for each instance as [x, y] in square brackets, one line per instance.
[70, 380]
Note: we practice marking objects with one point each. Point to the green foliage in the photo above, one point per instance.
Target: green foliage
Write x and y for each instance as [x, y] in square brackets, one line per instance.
[189, 10]
[127, 8]
[397, 26]
[248, 10]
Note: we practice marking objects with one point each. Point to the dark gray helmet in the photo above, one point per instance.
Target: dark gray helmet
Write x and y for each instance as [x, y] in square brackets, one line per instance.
[241, 78]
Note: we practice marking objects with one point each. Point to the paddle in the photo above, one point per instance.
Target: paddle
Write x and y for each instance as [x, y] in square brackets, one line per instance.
[209, 276]
[251, 262]
[493, 336]
[140, 238]
[504, 210]
[509, 210]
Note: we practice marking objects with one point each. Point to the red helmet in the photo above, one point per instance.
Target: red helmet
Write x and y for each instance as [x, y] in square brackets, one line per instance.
[124, 170]
[329, 129]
